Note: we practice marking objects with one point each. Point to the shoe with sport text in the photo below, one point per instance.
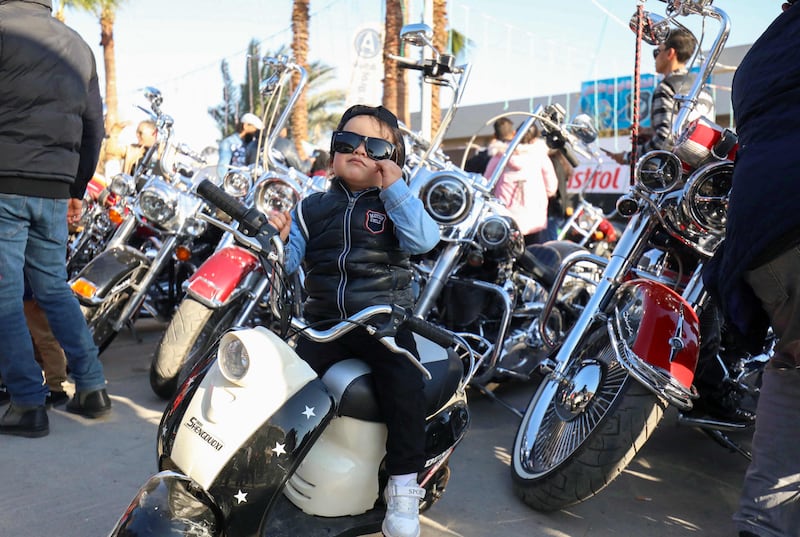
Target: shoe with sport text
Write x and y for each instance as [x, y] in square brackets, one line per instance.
[91, 404]
[402, 510]
[28, 421]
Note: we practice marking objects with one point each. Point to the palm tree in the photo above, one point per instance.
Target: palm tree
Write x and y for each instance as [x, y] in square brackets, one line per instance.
[245, 97]
[299, 118]
[395, 91]
[440, 42]
[105, 11]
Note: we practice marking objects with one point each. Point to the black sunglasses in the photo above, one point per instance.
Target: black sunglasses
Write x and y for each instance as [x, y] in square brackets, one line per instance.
[347, 142]
[656, 52]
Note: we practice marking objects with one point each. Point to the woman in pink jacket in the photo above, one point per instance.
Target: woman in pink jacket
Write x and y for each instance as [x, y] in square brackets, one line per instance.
[525, 185]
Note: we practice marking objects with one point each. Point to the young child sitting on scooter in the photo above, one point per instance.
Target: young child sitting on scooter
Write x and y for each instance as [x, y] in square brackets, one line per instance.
[355, 241]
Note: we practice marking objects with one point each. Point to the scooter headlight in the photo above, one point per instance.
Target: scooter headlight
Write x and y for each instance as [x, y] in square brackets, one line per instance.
[234, 361]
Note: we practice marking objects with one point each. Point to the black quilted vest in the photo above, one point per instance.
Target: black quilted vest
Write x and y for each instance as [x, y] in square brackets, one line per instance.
[353, 258]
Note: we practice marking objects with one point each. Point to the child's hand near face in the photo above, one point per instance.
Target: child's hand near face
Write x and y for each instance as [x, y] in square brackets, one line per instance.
[282, 222]
[389, 172]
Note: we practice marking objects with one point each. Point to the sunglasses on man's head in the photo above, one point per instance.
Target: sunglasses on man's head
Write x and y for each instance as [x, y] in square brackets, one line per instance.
[657, 51]
[348, 142]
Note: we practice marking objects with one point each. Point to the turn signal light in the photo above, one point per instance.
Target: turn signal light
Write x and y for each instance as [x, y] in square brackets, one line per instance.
[84, 288]
[598, 235]
[569, 211]
[182, 253]
[115, 216]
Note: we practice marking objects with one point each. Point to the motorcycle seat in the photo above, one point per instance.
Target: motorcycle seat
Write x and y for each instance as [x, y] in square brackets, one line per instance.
[353, 388]
[544, 260]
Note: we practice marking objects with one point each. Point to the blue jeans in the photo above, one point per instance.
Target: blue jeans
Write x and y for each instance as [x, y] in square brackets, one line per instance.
[33, 232]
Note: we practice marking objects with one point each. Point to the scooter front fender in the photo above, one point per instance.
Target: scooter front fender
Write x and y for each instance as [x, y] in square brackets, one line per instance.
[105, 271]
[170, 504]
[215, 281]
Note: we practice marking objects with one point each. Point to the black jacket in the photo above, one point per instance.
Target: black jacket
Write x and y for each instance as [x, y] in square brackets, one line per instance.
[51, 115]
[353, 258]
[763, 214]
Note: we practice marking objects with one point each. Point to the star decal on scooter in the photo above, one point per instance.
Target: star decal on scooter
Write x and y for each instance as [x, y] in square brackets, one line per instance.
[279, 449]
[241, 497]
[308, 412]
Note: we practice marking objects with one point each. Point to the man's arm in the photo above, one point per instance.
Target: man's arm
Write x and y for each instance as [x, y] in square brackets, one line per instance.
[91, 139]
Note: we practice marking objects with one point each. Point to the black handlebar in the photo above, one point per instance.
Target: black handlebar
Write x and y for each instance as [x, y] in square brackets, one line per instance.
[430, 331]
[400, 317]
[251, 221]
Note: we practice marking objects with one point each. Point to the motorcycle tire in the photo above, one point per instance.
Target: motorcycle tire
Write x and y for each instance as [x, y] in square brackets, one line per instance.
[100, 319]
[576, 437]
[190, 333]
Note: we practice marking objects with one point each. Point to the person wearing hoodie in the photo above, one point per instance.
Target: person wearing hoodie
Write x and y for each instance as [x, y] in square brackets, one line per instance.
[503, 133]
[526, 183]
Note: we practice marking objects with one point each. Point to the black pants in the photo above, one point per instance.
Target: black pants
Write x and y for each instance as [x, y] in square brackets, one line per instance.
[399, 388]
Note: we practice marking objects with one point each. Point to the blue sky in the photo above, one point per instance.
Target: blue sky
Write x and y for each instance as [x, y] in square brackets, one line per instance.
[522, 47]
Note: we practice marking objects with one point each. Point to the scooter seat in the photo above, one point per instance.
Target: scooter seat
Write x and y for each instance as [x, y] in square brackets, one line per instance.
[353, 388]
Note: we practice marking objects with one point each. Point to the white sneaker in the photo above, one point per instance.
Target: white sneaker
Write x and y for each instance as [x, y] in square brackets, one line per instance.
[402, 510]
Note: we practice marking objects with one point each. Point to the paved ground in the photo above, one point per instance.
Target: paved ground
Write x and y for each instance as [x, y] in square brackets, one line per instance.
[79, 479]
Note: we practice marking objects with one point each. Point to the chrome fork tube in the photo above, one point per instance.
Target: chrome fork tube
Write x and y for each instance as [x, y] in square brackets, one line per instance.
[123, 232]
[437, 279]
[627, 250]
[140, 287]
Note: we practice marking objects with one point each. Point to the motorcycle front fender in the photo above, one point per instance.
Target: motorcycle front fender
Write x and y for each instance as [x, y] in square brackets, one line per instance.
[214, 282]
[657, 336]
[105, 271]
[170, 504]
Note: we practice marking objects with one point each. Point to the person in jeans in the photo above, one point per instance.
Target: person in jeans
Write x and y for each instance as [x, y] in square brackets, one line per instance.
[755, 274]
[50, 136]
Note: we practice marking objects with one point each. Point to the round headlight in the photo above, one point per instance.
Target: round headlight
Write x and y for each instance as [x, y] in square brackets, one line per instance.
[158, 204]
[122, 185]
[237, 183]
[447, 198]
[706, 196]
[274, 194]
[658, 171]
[234, 362]
[494, 232]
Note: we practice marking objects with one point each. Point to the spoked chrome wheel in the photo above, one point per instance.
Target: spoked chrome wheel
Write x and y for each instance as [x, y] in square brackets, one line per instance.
[579, 432]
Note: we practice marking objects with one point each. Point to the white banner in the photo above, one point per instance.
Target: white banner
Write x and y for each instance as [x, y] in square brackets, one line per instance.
[608, 178]
[366, 85]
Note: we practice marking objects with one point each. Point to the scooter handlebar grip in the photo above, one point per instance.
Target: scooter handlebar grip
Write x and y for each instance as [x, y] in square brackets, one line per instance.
[430, 331]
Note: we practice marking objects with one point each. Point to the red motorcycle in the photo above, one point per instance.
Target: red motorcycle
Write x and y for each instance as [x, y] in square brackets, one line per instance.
[230, 288]
[649, 337]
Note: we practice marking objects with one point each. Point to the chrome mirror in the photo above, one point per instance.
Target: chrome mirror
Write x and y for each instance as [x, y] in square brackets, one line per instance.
[583, 127]
[417, 34]
[655, 29]
[153, 95]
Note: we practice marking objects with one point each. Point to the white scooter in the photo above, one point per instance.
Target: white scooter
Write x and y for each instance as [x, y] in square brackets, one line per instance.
[255, 443]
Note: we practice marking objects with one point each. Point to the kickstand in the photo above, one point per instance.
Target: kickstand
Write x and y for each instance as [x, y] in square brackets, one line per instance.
[134, 332]
[490, 394]
[722, 439]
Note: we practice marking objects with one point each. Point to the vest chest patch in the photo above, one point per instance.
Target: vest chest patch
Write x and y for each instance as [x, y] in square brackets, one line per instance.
[376, 222]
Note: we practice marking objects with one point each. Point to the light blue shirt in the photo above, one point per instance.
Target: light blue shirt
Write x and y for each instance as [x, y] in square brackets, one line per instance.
[416, 231]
